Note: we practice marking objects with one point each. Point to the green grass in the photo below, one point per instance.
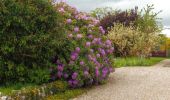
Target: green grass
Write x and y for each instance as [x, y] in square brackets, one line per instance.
[68, 94]
[63, 95]
[8, 89]
[134, 61]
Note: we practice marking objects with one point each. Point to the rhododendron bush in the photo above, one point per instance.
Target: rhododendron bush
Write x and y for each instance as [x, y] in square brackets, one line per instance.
[86, 57]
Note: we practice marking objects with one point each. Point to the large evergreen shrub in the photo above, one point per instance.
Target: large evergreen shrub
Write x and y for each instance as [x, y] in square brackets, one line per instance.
[30, 34]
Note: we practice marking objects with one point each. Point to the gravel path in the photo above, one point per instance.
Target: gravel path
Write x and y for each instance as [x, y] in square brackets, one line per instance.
[134, 83]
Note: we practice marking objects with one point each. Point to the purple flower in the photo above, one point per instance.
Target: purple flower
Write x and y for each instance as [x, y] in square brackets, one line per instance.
[90, 36]
[100, 27]
[69, 21]
[107, 51]
[106, 60]
[73, 57]
[71, 62]
[108, 42]
[98, 55]
[65, 75]
[74, 75]
[81, 62]
[112, 49]
[99, 49]
[76, 29]
[58, 62]
[61, 10]
[95, 39]
[86, 73]
[108, 46]
[79, 36]
[70, 82]
[104, 72]
[84, 17]
[103, 31]
[76, 17]
[88, 44]
[60, 68]
[94, 59]
[75, 53]
[75, 82]
[103, 52]
[95, 21]
[97, 64]
[70, 35]
[90, 57]
[97, 72]
[59, 74]
[77, 49]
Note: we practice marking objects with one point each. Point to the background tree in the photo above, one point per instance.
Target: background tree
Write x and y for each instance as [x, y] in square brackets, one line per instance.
[108, 17]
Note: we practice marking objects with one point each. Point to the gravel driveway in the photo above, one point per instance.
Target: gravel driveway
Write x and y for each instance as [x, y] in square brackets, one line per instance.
[134, 83]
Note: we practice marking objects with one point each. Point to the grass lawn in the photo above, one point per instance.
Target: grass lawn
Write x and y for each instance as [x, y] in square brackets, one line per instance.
[63, 95]
[68, 94]
[134, 61]
[8, 89]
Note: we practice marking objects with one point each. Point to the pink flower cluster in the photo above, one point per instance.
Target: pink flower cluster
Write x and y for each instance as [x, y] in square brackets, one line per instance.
[89, 60]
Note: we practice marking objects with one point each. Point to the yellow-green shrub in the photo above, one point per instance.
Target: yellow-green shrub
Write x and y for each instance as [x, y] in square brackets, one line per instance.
[129, 41]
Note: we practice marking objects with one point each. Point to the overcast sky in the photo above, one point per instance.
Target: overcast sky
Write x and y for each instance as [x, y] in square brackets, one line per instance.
[164, 5]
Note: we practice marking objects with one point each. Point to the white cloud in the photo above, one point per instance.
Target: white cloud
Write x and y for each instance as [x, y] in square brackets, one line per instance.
[166, 32]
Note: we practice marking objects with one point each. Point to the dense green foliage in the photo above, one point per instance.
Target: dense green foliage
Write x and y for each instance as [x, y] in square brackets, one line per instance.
[30, 34]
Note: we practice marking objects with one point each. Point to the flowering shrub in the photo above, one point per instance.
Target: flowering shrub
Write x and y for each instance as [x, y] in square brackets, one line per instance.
[86, 57]
[132, 42]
